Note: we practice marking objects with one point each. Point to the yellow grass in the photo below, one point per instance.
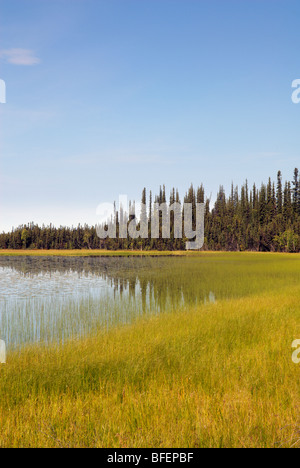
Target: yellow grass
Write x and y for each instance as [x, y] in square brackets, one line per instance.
[87, 253]
[214, 376]
[128, 253]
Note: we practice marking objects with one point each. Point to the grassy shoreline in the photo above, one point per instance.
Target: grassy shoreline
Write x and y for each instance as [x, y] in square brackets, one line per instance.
[214, 376]
[93, 253]
[128, 253]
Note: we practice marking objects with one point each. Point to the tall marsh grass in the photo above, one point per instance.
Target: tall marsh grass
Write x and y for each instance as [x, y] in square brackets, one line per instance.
[214, 375]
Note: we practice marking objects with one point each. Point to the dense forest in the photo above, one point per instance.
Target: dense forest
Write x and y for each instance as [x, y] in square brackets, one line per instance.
[255, 219]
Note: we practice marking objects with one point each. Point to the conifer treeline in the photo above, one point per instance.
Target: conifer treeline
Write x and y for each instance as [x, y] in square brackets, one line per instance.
[264, 219]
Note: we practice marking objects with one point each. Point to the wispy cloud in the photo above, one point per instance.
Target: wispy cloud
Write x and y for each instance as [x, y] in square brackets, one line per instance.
[25, 57]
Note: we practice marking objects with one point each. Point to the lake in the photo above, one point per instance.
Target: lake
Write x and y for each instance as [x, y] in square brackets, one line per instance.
[51, 299]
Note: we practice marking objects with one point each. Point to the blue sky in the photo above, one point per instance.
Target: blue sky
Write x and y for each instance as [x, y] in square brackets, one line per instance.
[106, 97]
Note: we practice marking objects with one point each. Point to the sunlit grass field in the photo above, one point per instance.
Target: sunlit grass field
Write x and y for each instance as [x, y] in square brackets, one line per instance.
[214, 375]
[91, 253]
[116, 253]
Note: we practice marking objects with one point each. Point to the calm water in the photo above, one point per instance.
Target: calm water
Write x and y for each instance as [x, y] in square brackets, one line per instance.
[54, 298]
[44, 299]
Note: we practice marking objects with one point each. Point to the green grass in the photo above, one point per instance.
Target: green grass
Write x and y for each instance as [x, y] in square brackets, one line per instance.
[121, 253]
[219, 375]
[88, 253]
